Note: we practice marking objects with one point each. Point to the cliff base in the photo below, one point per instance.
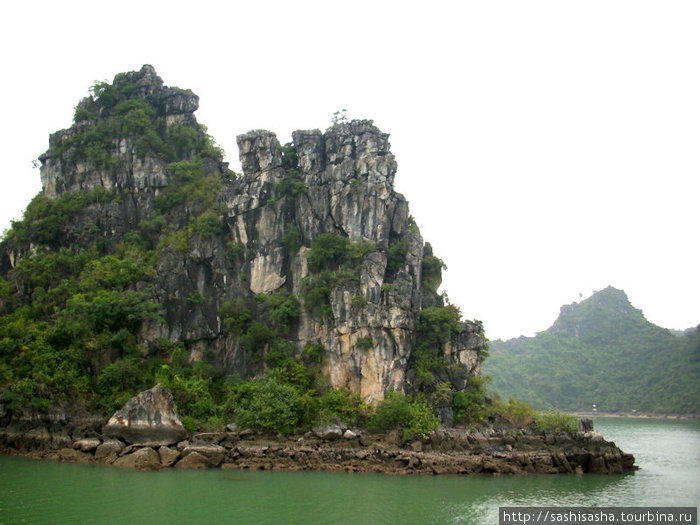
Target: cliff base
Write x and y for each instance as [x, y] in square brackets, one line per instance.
[447, 451]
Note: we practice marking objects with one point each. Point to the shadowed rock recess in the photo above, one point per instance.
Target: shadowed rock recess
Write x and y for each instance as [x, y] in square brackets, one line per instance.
[146, 259]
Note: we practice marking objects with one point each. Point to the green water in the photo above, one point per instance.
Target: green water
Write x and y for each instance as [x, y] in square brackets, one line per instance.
[51, 492]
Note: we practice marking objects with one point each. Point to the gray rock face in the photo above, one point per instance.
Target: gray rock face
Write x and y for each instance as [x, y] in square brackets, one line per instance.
[347, 175]
[147, 419]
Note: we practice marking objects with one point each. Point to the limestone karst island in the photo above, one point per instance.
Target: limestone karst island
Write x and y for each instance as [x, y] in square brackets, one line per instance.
[158, 309]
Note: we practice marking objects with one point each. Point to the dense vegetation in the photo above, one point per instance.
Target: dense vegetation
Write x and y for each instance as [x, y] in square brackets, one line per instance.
[603, 352]
[72, 306]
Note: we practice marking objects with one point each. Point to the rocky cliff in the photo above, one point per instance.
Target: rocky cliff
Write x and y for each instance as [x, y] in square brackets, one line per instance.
[148, 237]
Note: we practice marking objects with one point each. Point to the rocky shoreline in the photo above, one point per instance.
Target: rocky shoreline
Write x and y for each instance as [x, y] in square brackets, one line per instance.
[637, 415]
[447, 451]
[146, 434]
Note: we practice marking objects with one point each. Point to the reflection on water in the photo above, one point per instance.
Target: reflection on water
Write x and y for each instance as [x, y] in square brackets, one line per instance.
[48, 492]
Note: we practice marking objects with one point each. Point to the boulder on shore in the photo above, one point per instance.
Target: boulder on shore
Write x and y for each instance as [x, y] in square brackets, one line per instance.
[147, 419]
[142, 459]
[194, 460]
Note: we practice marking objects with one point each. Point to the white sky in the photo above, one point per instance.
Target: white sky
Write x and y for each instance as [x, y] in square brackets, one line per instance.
[547, 148]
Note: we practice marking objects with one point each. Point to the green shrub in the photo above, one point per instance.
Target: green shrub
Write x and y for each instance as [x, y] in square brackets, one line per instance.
[422, 422]
[235, 249]
[183, 139]
[279, 353]
[191, 389]
[281, 308]
[45, 219]
[515, 413]
[292, 239]
[292, 184]
[291, 372]
[195, 297]
[49, 269]
[204, 192]
[213, 424]
[364, 342]
[170, 197]
[316, 290]
[256, 338]
[122, 380]
[396, 256]
[36, 371]
[293, 181]
[184, 171]
[290, 157]
[191, 183]
[438, 324]
[554, 421]
[189, 423]
[122, 375]
[207, 225]
[432, 272]
[470, 405]
[236, 315]
[333, 261]
[313, 354]
[117, 273]
[208, 147]
[341, 405]
[266, 405]
[392, 412]
[398, 411]
[358, 301]
[327, 252]
[112, 310]
[151, 228]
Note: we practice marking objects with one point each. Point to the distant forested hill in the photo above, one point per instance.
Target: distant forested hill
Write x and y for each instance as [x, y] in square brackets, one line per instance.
[601, 351]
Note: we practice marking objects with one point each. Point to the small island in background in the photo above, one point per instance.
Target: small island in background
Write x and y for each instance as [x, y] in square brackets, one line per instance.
[601, 356]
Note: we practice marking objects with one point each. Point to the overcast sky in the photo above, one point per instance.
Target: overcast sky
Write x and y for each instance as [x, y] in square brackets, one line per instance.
[547, 148]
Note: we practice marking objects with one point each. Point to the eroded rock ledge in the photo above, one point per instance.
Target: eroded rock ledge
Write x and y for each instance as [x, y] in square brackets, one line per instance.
[448, 451]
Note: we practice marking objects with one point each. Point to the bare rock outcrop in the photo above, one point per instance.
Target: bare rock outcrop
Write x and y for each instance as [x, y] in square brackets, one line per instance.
[148, 419]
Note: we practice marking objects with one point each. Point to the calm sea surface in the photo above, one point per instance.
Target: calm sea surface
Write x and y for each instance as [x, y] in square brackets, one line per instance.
[50, 492]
